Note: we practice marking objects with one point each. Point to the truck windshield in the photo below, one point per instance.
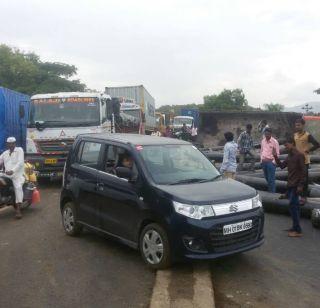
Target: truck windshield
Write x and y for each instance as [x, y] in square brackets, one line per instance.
[71, 111]
[181, 121]
[135, 113]
[177, 164]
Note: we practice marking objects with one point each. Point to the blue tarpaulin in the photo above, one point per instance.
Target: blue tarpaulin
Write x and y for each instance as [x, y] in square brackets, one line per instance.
[11, 122]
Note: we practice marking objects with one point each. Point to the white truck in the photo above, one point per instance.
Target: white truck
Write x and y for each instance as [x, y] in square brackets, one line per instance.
[140, 96]
[56, 119]
[178, 122]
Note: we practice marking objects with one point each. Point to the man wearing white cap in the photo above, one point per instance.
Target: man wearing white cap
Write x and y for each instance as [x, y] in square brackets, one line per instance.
[13, 161]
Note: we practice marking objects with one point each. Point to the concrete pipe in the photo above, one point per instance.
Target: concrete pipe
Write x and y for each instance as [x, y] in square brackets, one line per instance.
[281, 186]
[272, 203]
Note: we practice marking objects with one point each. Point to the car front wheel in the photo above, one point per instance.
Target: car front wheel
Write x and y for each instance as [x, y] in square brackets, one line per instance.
[154, 247]
[69, 220]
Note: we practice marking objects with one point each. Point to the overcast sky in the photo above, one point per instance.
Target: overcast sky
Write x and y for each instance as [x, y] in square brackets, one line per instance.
[180, 50]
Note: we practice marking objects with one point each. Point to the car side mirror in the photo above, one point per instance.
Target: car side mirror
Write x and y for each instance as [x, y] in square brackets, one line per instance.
[125, 173]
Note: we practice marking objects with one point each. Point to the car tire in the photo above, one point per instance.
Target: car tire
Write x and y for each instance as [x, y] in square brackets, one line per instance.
[154, 247]
[69, 220]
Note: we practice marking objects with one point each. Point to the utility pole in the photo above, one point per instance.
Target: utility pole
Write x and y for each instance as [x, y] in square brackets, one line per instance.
[307, 108]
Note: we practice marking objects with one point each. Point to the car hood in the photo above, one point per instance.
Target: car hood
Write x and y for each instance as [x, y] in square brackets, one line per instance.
[218, 191]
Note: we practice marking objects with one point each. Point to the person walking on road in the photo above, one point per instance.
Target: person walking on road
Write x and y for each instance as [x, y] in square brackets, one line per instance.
[305, 143]
[245, 145]
[269, 145]
[13, 162]
[229, 163]
[295, 162]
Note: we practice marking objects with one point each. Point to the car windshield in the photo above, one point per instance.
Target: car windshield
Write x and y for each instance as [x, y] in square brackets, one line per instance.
[177, 164]
[68, 111]
[181, 121]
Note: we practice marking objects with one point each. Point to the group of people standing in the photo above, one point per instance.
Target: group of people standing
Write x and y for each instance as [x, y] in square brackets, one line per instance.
[298, 147]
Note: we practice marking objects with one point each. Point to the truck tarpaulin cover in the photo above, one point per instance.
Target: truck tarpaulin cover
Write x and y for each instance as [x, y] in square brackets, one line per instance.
[10, 111]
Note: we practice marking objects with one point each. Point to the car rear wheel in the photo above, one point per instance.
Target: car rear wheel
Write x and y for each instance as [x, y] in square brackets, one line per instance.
[69, 220]
[154, 247]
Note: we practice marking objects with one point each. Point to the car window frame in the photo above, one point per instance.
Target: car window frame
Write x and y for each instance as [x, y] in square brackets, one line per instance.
[80, 148]
[108, 143]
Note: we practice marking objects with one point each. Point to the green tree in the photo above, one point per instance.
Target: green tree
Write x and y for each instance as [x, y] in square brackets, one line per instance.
[226, 100]
[26, 73]
[275, 107]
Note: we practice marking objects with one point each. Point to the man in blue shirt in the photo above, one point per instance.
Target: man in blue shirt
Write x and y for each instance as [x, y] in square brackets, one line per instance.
[229, 164]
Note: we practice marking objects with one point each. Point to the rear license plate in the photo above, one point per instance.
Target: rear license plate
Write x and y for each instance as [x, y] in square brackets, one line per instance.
[50, 161]
[238, 227]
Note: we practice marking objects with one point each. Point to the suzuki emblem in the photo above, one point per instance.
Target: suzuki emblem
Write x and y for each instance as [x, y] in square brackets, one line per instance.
[233, 208]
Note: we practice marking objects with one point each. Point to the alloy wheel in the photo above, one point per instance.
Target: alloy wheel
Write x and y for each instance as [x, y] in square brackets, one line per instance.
[68, 219]
[152, 246]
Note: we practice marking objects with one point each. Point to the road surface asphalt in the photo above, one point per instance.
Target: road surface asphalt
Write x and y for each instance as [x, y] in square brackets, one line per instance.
[42, 267]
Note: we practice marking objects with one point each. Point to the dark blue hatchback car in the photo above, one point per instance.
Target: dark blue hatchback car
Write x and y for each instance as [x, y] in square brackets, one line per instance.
[159, 195]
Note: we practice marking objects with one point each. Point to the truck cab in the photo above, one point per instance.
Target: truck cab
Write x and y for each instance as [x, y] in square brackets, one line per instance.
[178, 122]
[54, 122]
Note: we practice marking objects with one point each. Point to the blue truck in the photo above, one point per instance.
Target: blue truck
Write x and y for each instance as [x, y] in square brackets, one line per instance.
[14, 112]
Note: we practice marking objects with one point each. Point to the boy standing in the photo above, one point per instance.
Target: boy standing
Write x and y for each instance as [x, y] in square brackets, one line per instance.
[245, 144]
[303, 140]
[229, 163]
[295, 162]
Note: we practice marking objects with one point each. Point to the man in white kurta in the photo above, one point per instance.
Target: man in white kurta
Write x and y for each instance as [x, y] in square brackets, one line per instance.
[13, 162]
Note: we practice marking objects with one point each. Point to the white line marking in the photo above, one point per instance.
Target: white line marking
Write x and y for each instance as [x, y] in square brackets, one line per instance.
[203, 290]
[160, 294]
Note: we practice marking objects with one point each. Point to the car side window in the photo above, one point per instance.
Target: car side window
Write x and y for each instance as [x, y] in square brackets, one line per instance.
[116, 156]
[90, 154]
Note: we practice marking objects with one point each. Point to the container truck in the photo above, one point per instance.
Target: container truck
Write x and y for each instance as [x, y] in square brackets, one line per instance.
[56, 119]
[130, 116]
[142, 98]
[14, 109]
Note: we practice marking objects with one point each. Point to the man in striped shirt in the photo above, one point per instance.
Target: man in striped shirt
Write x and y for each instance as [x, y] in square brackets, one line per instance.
[245, 145]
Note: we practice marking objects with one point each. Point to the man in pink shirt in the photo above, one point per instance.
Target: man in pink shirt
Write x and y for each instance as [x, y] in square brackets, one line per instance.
[269, 146]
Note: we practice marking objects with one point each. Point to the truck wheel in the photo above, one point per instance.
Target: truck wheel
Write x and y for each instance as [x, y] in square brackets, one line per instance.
[69, 220]
[315, 218]
[154, 247]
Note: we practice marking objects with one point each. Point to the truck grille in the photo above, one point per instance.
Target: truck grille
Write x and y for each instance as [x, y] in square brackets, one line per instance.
[225, 243]
[58, 146]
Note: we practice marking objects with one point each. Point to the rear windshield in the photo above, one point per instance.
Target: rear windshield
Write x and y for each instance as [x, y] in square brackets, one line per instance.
[177, 164]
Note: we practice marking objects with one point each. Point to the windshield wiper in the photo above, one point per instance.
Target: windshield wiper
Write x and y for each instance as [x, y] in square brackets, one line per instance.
[187, 181]
[216, 177]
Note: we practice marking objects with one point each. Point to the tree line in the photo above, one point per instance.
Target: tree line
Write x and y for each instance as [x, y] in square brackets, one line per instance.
[25, 72]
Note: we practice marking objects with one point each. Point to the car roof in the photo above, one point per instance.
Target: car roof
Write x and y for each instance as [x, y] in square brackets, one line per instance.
[135, 139]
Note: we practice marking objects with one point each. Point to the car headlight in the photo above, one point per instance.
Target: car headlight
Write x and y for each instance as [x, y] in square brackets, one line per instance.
[194, 211]
[256, 201]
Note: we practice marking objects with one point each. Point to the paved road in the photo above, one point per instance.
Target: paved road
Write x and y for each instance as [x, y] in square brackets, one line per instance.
[283, 273]
[42, 267]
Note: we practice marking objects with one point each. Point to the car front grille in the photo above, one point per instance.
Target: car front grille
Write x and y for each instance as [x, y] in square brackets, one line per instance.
[224, 243]
[58, 146]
